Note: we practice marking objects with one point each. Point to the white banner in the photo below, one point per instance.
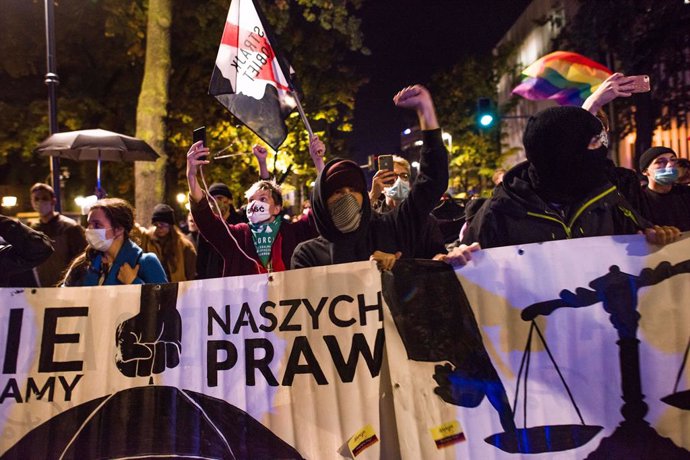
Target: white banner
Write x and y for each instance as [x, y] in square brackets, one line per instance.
[300, 355]
[294, 366]
[604, 294]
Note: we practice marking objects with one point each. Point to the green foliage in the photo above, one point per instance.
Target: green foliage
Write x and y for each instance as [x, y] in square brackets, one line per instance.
[100, 51]
[475, 153]
[99, 81]
[316, 36]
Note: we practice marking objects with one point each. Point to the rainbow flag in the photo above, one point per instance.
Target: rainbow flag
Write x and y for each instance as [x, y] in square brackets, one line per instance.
[565, 77]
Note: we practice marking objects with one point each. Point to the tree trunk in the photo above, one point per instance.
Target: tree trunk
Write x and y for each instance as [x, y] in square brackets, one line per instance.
[149, 177]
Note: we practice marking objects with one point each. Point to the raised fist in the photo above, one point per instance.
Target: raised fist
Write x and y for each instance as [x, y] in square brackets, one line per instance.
[151, 341]
[260, 152]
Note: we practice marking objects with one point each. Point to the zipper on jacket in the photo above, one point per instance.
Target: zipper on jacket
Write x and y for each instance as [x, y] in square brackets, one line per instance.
[589, 203]
[553, 219]
[629, 214]
[581, 209]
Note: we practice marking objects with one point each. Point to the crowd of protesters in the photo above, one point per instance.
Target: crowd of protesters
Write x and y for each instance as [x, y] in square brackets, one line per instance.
[566, 188]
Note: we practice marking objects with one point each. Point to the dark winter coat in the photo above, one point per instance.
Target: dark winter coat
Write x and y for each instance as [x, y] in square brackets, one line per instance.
[671, 208]
[517, 215]
[236, 263]
[431, 241]
[23, 248]
[398, 230]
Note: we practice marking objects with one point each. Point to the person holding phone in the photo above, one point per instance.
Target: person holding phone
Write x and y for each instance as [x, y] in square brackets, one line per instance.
[391, 183]
[618, 85]
[266, 242]
[349, 230]
[562, 190]
[391, 186]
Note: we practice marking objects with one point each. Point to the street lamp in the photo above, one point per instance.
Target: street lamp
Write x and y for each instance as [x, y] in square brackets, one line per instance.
[52, 80]
[85, 202]
[8, 201]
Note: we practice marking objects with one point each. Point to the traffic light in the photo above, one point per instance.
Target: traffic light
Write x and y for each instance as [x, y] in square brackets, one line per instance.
[486, 114]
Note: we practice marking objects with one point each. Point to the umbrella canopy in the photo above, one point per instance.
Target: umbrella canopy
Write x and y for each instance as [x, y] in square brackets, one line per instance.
[96, 144]
[154, 421]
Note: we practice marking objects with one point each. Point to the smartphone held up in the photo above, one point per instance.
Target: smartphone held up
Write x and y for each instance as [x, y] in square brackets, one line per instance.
[200, 135]
[385, 162]
[640, 83]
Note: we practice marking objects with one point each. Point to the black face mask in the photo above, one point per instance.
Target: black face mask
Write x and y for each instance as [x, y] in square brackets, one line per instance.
[571, 177]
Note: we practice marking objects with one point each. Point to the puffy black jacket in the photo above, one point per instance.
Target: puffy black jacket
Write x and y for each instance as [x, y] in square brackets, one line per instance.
[23, 249]
[517, 215]
[398, 230]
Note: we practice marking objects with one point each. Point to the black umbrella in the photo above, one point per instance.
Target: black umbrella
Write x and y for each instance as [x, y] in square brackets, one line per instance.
[154, 421]
[96, 144]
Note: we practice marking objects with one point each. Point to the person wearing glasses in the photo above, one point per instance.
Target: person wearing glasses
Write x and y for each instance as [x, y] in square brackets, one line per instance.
[388, 190]
[562, 190]
[664, 202]
[351, 231]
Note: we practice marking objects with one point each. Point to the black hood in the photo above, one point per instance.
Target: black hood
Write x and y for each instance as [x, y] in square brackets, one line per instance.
[517, 188]
[562, 167]
[324, 223]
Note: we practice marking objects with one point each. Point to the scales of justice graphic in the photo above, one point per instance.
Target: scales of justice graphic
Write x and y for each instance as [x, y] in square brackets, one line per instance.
[634, 437]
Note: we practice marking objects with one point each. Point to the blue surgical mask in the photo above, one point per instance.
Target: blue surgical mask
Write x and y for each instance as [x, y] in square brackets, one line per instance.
[399, 190]
[666, 176]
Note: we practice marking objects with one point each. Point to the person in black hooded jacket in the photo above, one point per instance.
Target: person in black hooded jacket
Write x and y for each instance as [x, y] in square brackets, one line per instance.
[562, 190]
[348, 229]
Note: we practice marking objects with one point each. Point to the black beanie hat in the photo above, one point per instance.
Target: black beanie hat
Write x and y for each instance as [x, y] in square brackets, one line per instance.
[556, 132]
[220, 188]
[650, 155]
[163, 213]
[344, 173]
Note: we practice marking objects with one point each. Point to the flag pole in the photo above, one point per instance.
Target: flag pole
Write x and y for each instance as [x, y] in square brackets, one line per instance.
[285, 68]
[302, 115]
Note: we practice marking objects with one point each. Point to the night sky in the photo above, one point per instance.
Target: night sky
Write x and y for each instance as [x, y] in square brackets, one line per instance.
[410, 41]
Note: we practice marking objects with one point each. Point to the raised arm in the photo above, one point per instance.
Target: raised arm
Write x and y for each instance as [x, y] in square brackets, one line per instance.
[617, 85]
[261, 155]
[196, 151]
[432, 179]
[317, 150]
[417, 98]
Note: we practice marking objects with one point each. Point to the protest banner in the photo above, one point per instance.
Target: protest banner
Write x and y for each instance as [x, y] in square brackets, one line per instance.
[295, 366]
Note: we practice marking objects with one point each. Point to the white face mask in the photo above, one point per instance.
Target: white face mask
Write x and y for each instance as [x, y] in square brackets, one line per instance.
[258, 211]
[97, 240]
